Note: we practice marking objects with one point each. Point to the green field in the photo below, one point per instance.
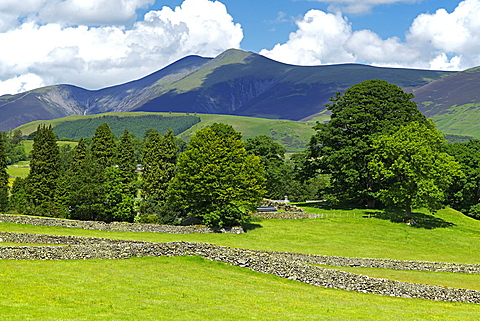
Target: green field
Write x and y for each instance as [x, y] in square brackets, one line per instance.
[188, 288]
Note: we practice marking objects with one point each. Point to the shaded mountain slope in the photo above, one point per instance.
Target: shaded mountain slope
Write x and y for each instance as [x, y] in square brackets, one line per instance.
[235, 83]
[65, 100]
[453, 102]
[248, 84]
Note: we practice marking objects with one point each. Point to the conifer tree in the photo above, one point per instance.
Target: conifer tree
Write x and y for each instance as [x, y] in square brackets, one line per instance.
[120, 183]
[19, 200]
[158, 161]
[44, 171]
[127, 164]
[86, 198]
[103, 146]
[3, 175]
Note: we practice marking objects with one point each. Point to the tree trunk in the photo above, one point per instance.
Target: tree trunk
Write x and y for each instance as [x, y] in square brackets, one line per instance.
[408, 209]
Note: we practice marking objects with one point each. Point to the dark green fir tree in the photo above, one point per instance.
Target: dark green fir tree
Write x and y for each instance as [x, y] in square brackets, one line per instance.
[3, 175]
[44, 172]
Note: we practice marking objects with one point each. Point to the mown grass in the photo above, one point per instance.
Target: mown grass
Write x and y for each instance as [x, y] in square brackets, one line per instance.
[190, 288]
[353, 236]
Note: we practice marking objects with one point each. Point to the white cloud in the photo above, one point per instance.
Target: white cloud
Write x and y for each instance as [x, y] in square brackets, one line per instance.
[359, 6]
[21, 83]
[442, 40]
[94, 57]
[75, 12]
[319, 39]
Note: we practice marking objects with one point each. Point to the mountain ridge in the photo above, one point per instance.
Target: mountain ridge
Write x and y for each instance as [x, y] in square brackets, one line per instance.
[234, 83]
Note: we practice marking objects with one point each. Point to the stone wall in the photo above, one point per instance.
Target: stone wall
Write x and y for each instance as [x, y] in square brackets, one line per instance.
[289, 211]
[115, 226]
[286, 265]
[287, 207]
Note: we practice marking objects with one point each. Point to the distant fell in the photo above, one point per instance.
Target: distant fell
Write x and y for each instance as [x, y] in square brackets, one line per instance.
[453, 102]
[234, 83]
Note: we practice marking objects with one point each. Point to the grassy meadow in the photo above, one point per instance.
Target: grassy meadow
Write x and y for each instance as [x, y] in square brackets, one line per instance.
[186, 288]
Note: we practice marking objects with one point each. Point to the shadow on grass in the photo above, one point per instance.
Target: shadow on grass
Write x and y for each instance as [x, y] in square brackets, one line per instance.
[418, 220]
[250, 226]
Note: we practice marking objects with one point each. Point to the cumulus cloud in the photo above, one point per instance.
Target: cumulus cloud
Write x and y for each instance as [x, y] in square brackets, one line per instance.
[97, 56]
[359, 6]
[75, 12]
[441, 40]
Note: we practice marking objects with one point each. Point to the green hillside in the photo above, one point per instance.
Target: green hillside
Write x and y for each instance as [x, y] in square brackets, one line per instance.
[293, 135]
[189, 288]
[136, 125]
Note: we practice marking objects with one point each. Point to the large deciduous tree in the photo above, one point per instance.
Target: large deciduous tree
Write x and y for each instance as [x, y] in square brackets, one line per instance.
[44, 171]
[272, 155]
[414, 167]
[342, 146]
[464, 193]
[216, 179]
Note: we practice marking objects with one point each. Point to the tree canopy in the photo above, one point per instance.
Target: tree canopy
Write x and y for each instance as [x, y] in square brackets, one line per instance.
[342, 146]
[464, 193]
[217, 180]
[44, 171]
[413, 166]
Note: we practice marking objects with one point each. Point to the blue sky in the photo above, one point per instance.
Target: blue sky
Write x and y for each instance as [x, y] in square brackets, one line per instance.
[266, 23]
[99, 43]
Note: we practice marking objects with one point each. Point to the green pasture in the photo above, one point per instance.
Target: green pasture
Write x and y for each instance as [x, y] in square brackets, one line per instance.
[351, 236]
[193, 288]
[190, 288]
[28, 145]
[14, 171]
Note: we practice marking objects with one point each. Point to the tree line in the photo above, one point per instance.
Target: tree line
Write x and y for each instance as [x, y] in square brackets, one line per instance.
[218, 178]
[377, 150]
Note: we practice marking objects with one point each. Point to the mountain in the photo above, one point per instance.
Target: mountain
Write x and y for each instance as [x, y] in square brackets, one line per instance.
[234, 83]
[453, 102]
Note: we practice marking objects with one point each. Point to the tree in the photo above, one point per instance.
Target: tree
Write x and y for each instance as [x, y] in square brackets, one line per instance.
[19, 199]
[87, 192]
[120, 183]
[127, 164]
[464, 193]
[342, 147]
[414, 167]
[216, 179]
[44, 171]
[158, 161]
[103, 146]
[272, 156]
[3, 175]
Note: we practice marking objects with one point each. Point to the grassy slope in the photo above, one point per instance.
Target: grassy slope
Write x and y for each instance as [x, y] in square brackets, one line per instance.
[192, 288]
[189, 289]
[371, 237]
[294, 135]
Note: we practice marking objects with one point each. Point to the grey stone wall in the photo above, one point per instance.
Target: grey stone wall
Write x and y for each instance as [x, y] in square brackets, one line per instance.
[286, 265]
[115, 226]
[287, 207]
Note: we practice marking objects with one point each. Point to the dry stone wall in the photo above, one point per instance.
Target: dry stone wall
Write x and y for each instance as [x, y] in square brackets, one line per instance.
[289, 211]
[116, 226]
[286, 265]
